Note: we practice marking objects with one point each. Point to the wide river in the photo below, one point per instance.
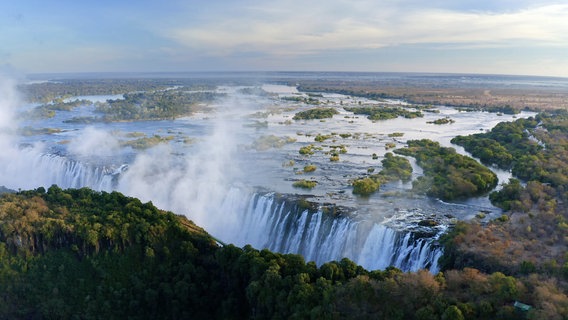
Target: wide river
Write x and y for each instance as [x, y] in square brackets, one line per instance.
[250, 140]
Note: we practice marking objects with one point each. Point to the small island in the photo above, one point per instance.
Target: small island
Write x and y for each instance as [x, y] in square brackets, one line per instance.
[316, 113]
[447, 174]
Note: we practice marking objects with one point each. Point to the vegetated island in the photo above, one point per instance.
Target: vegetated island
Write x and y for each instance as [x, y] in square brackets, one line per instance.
[60, 89]
[48, 110]
[143, 99]
[316, 113]
[394, 168]
[384, 113]
[157, 105]
[447, 174]
[87, 254]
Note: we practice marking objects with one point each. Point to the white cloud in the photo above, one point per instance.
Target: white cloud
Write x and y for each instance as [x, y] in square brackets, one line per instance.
[366, 35]
[310, 27]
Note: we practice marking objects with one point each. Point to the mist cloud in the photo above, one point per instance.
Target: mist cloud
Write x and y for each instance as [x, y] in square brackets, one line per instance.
[8, 103]
[94, 143]
[196, 183]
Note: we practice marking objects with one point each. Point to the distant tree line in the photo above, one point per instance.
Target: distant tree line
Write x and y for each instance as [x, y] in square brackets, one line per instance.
[45, 92]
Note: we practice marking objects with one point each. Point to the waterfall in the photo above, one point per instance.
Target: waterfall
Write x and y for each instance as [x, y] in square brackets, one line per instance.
[269, 221]
[31, 169]
[264, 220]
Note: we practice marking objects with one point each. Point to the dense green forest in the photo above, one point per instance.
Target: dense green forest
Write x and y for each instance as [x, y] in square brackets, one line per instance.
[315, 113]
[168, 104]
[533, 235]
[447, 174]
[81, 254]
[520, 146]
[384, 113]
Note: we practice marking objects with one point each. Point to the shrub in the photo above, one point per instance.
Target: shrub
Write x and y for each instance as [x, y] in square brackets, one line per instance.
[321, 137]
[304, 184]
[307, 150]
[365, 186]
[390, 145]
[310, 168]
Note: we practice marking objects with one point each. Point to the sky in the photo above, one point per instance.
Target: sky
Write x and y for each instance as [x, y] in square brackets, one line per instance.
[519, 37]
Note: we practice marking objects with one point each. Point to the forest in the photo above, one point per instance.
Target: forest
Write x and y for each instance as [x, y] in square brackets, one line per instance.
[168, 104]
[315, 113]
[532, 236]
[447, 174]
[143, 99]
[384, 113]
[46, 92]
[84, 254]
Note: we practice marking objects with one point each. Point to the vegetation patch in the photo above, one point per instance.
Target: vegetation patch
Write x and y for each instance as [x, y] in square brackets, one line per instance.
[157, 105]
[530, 238]
[271, 141]
[304, 184]
[256, 124]
[340, 149]
[447, 174]
[310, 168]
[532, 148]
[48, 110]
[394, 168]
[384, 113]
[316, 113]
[322, 138]
[147, 142]
[301, 99]
[30, 131]
[365, 186]
[444, 120]
[307, 150]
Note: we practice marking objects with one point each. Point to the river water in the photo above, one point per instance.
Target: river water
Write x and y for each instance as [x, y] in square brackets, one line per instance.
[215, 163]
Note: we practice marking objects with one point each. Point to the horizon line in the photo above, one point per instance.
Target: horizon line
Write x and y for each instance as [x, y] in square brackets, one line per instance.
[86, 74]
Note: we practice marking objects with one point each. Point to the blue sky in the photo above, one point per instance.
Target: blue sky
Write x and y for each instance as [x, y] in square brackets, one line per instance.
[496, 37]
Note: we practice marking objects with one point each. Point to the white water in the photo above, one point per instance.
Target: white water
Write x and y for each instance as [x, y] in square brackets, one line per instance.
[260, 219]
[202, 181]
[281, 225]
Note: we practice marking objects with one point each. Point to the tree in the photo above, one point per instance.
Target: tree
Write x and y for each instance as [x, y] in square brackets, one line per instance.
[452, 313]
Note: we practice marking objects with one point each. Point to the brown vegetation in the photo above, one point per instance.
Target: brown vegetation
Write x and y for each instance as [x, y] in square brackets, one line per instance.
[452, 94]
